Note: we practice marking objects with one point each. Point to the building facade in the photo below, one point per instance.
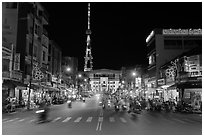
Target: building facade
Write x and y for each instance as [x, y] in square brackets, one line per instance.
[164, 45]
[32, 47]
[186, 76]
[54, 65]
[11, 74]
[25, 36]
[103, 80]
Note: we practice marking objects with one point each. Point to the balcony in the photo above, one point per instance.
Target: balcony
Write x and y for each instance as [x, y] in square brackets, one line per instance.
[6, 46]
[14, 75]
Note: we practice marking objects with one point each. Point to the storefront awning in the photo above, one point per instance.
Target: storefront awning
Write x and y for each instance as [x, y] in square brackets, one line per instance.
[190, 85]
[52, 89]
[186, 85]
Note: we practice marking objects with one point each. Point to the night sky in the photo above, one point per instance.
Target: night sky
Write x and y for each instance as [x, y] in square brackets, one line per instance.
[119, 29]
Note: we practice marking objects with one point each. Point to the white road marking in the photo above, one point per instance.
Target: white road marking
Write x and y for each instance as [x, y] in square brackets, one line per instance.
[4, 119]
[21, 120]
[100, 119]
[58, 118]
[89, 119]
[101, 113]
[123, 120]
[78, 119]
[12, 112]
[31, 120]
[67, 119]
[10, 120]
[97, 126]
[112, 119]
[180, 121]
[100, 126]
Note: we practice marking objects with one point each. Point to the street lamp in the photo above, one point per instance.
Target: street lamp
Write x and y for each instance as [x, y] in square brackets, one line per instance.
[134, 73]
[79, 75]
[68, 69]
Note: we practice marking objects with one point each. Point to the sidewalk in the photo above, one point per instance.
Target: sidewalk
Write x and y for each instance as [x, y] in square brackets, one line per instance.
[20, 110]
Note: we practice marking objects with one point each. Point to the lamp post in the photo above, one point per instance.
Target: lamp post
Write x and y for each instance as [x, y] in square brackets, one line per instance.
[134, 75]
[68, 69]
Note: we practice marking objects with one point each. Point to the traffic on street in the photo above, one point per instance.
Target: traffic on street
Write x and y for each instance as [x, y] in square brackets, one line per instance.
[90, 118]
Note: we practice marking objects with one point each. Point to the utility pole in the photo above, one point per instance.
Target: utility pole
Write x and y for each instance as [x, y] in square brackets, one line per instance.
[31, 64]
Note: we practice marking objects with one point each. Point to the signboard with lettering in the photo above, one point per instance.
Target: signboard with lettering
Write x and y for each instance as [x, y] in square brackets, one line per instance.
[161, 82]
[182, 31]
[17, 61]
[16, 75]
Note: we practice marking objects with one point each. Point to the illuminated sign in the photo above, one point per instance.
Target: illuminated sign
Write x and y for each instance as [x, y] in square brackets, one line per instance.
[150, 36]
[182, 31]
[160, 82]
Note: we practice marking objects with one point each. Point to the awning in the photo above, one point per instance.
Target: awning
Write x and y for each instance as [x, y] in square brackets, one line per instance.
[190, 85]
[186, 85]
[52, 89]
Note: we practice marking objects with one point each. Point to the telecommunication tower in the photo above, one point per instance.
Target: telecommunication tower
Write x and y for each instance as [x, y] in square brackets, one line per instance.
[88, 58]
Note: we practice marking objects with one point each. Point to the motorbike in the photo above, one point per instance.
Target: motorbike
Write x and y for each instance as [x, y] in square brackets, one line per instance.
[124, 107]
[116, 108]
[83, 99]
[42, 115]
[69, 102]
[109, 103]
[103, 106]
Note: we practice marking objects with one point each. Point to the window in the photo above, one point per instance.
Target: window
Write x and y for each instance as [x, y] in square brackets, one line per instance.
[5, 21]
[44, 55]
[188, 44]
[49, 58]
[30, 48]
[5, 64]
[36, 29]
[172, 44]
[11, 5]
[35, 51]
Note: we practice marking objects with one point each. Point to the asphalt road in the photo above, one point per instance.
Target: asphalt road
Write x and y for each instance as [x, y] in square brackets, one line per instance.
[90, 119]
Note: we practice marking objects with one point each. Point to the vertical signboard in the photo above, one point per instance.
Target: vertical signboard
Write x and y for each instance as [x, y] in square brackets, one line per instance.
[17, 61]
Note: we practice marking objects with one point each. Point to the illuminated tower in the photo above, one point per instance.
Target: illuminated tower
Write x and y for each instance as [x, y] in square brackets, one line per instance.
[88, 58]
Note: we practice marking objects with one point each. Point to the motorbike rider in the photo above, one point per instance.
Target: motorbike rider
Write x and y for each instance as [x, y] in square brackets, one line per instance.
[44, 107]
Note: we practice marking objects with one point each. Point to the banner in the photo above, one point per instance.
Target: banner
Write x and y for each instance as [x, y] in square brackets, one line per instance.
[17, 61]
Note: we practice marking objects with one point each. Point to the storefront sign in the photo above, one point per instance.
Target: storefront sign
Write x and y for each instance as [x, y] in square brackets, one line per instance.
[161, 82]
[182, 31]
[17, 61]
[16, 75]
[21, 88]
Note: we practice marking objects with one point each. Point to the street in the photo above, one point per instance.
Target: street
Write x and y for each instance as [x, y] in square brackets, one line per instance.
[90, 119]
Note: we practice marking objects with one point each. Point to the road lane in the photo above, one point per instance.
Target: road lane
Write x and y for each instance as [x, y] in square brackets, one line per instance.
[90, 119]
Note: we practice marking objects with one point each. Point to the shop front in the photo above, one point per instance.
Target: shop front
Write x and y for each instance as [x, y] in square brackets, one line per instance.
[190, 90]
[171, 92]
